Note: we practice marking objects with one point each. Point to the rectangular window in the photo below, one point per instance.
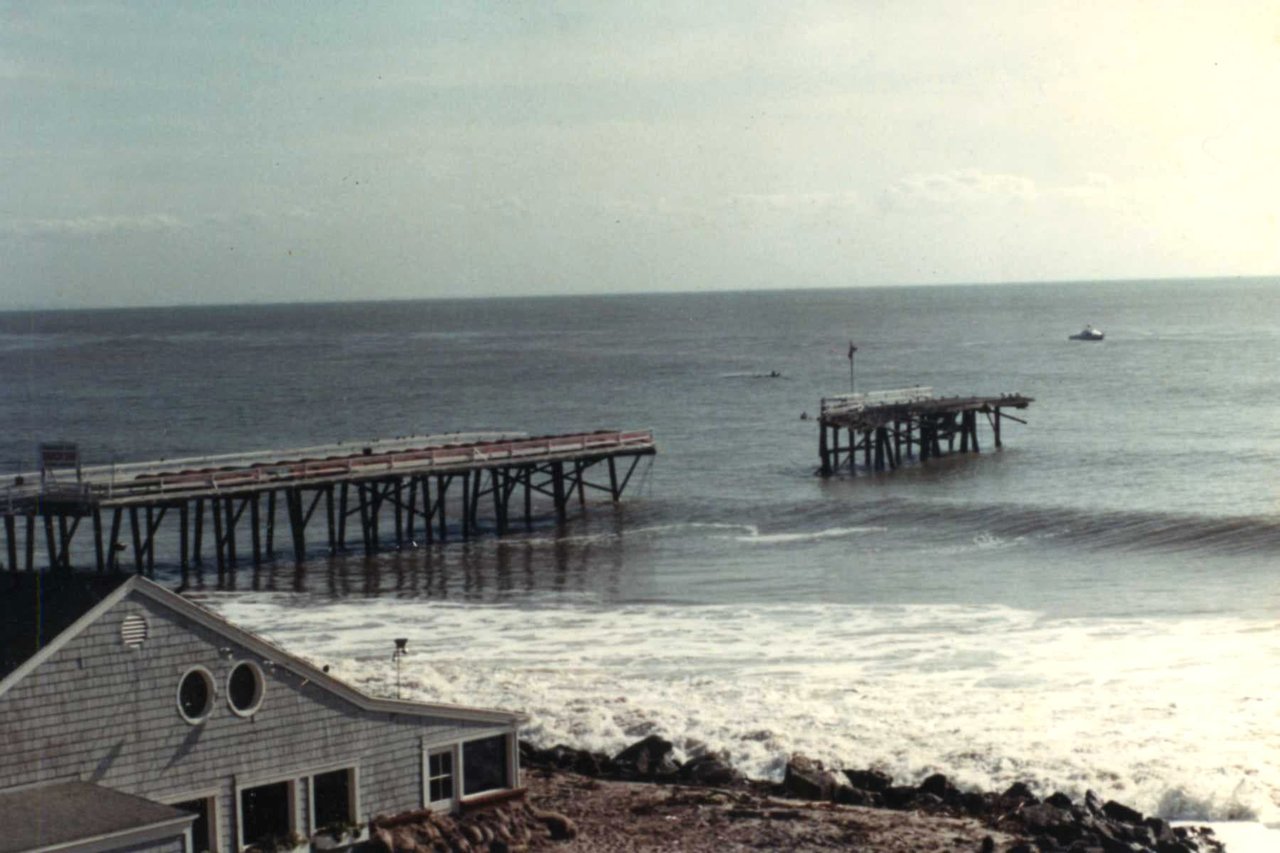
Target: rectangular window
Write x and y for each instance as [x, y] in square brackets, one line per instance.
[440, 776]
[333, 798]
[266, 816]
[202, 828]
[484, 765]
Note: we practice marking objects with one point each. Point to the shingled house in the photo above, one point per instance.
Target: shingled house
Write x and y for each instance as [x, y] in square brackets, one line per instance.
[131, 718]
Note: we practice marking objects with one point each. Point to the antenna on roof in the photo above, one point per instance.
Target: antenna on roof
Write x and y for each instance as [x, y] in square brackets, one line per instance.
[400, 652]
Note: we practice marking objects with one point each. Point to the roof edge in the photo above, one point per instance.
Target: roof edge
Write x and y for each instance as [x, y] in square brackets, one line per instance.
[132, 835]
[69, 633]
[312, 673]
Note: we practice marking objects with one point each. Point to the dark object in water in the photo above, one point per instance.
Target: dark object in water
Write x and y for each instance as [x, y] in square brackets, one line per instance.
[1088, 333]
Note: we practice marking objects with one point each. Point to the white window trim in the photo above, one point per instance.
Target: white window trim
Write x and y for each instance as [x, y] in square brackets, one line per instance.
[262, 688]
[241, 786]
[211, 796]
[455, 752]
[459, 772]
[512, 756]
[352, 767]
[212, 684]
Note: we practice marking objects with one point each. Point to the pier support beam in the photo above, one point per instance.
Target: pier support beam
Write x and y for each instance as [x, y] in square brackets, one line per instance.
[114, 546]
[11, 543]
[558, 495]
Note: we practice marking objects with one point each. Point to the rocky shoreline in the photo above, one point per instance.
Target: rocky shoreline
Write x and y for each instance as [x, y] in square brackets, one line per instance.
[1053, 824]
[643, 798]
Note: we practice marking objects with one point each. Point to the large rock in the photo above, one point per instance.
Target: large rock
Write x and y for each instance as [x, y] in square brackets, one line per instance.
[647, 759]
[1018, 794]
[847, 795]
[561, 827]
[561, 757]
[900, 797]
[807, 779]
[1044, 819]
[1122, 813]
[940, 786]
[869, 780]
[711, 769]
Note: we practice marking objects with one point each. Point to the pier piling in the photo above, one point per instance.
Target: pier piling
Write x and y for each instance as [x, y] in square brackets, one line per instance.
[410, 480]
[882, 424]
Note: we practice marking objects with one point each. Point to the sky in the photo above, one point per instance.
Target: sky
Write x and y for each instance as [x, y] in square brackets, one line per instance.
[164, 153]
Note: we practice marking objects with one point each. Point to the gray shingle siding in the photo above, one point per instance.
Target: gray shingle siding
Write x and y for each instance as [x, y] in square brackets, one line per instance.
[100, 712]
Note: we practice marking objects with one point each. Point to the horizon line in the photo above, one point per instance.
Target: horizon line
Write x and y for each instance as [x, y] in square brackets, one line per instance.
[32, 309]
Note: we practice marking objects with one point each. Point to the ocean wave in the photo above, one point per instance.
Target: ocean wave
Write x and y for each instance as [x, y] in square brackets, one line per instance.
[1143, 710]
[758, 538]
[517, 540]
[993, 525]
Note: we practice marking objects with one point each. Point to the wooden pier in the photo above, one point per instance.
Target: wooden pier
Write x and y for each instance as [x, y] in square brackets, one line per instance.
[482, 482]
[884, 427]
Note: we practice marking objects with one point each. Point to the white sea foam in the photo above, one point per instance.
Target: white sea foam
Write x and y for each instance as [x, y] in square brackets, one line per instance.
[636, 533]
[755, 537]
[1174, 717]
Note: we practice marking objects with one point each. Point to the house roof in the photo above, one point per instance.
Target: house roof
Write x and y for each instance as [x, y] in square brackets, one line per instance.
[267, 650]
[66, 815]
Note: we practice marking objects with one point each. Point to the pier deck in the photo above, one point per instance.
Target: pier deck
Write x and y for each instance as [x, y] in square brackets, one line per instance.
[418, 480]
[886, 426]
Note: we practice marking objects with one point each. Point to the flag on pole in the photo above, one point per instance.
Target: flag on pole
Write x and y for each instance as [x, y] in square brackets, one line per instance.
[852, 350]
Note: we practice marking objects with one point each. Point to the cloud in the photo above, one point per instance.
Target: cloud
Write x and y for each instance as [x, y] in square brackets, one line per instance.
[793, 201]
[1094, 186]
[959, 187]
[92, 226]
[970, 189]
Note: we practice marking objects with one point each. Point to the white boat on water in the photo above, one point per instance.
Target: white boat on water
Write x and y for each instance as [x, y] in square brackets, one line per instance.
[1088, 333]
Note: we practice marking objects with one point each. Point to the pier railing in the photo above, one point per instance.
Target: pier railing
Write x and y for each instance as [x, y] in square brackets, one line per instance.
[350, 461]
[856, 402]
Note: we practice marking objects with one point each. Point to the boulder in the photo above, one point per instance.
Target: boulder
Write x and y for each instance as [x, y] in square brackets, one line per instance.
[1019, 794]
[847, 795]
[807, 779]
[1059, 800]
[647, 759]
[710, 769]
[561, 827]
[1044, 819]
[869, 780]
[940, 786]
[1121, 813]
[899, 796]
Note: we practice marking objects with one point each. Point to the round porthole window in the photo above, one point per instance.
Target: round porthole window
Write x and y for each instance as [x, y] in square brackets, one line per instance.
[195, 695]
[245, 688]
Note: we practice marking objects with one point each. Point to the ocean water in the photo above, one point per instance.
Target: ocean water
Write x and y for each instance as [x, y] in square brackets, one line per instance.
[1097, 605]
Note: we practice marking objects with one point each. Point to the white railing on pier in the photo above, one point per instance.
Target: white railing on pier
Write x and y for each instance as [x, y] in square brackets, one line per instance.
[840, 403]
[232, 471]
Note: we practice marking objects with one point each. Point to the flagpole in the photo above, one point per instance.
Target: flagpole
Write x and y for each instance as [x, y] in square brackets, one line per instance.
[852, 349]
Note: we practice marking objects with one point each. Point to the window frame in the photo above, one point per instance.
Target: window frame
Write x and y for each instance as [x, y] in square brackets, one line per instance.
[510, 756]
[238, 804]
[260, 680]
[352, 769]
[211, 799]
[454, 751]
[211, 684]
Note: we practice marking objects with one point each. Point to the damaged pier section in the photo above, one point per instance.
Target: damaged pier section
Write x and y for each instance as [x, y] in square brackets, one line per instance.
[388, 492]
[884, 427]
